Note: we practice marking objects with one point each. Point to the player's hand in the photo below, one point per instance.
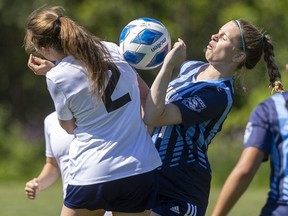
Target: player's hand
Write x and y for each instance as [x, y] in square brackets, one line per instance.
[32, 188]
[39, 66]
[177, 54]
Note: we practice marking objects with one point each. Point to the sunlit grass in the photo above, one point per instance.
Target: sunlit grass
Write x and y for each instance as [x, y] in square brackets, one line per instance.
[48, 203]
[14, 202]
[249, 204]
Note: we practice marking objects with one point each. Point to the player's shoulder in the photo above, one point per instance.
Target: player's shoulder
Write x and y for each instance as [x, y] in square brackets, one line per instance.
[51, 119]
[111, 45]
[270, 105]
[191, 64]
[114, 50]
[268, 102]
[67, 66]
[263, 111]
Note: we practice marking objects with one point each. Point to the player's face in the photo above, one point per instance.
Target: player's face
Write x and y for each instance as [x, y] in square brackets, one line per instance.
[224, 45]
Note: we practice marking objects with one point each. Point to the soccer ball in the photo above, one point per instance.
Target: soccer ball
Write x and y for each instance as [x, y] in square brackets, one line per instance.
[145, 43]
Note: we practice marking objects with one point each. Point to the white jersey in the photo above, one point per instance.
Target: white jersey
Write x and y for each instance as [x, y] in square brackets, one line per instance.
[111, 139]
[57, 142]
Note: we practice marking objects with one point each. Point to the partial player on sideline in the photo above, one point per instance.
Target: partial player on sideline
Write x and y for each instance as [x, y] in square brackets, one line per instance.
[57, 144]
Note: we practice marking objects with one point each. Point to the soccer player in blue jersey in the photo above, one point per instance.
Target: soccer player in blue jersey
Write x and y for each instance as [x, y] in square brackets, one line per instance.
[266, 136]
[112, 160]
[189, 111]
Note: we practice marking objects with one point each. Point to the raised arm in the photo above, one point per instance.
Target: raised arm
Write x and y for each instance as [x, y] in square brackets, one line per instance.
[157, 113]
[39, 66]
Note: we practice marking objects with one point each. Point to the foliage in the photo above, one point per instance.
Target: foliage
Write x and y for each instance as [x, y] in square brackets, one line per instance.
[20, 157]
[224, 152]
[24, 99]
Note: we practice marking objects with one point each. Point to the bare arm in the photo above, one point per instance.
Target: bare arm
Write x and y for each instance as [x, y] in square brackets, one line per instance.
[144, 91]
[157, 113]
[48, 176]
[238, 180]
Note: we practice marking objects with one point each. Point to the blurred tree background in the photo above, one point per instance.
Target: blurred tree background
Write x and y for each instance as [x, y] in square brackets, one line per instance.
[25, 101]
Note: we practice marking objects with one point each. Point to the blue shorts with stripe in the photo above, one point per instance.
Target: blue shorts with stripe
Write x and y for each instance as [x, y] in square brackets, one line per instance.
[132, 194]
[274, 209]
[172, 207]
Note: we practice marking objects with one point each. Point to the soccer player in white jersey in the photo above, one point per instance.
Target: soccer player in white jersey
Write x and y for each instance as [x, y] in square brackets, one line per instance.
[57, 144]
[95, 91]
[189, 111]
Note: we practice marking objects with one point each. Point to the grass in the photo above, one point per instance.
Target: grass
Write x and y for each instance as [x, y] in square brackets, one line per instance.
[48, 203]
[249, 204]
[14, 202]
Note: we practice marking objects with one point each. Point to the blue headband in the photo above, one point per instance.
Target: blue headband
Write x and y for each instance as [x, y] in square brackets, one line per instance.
[242, 35]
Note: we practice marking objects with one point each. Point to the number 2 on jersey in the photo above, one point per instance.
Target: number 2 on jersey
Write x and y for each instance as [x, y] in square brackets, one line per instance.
[110, 104]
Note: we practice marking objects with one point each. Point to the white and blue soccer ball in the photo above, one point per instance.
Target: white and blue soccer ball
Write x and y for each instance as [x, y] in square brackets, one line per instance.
[145, 43]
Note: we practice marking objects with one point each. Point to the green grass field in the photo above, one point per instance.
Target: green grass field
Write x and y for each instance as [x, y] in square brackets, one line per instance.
[14, 202]
[249, 204]
[48, 203]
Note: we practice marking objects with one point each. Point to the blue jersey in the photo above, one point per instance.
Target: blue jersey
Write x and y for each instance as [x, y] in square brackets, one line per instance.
[185, 173]
[267, 130]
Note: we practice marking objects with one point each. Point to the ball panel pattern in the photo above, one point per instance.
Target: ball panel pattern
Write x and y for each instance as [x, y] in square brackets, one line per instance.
[145, 43]
[147, 37]
[159, 57]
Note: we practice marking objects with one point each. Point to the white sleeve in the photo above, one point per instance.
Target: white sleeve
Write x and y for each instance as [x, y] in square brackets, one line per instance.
[60, 101]
[48, 148]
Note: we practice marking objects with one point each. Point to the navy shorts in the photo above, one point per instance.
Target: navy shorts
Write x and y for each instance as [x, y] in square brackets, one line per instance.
[132, 194]
[172, 207]
[274, 209]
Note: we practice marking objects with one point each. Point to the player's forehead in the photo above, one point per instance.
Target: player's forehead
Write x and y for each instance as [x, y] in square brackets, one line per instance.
[230, 29]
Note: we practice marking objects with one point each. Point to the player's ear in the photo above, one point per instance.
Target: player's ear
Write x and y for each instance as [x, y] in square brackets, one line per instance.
[41, 49]
[239, 57]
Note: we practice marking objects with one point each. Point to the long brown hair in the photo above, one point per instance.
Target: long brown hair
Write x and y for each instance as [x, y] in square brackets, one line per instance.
[49, 27]
[256, 43]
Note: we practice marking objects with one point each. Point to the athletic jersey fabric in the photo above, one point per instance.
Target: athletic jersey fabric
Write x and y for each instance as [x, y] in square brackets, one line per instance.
[267, 130]
[111, 139]
[57, 142]
[185, 173]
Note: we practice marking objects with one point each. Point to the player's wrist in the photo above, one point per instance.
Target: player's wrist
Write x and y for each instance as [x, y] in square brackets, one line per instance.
[36, 184]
